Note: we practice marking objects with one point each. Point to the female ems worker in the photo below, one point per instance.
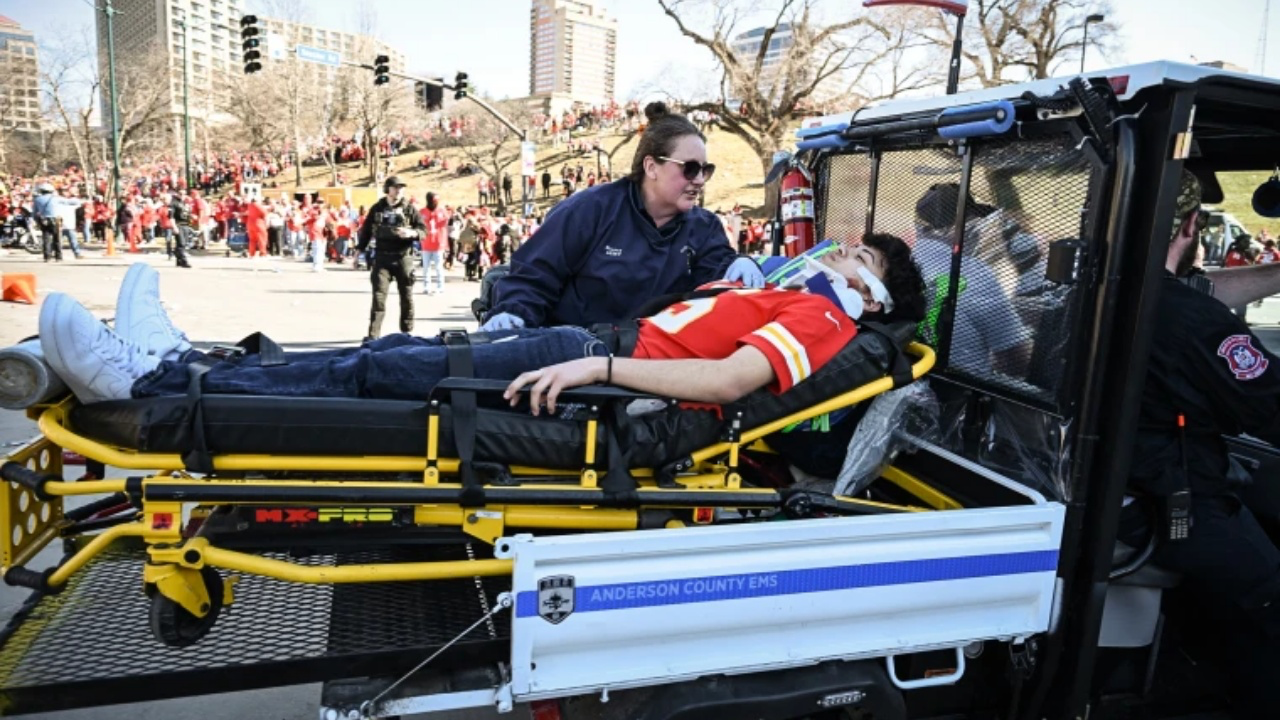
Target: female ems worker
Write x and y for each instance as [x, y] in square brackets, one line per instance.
[603, 253]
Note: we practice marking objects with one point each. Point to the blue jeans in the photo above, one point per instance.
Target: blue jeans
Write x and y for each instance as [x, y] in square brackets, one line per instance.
[432, 258]
[395, 367]
[70, 235]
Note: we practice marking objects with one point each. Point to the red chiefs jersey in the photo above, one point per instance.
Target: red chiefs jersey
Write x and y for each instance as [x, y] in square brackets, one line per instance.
[796, 331]
[437, 236]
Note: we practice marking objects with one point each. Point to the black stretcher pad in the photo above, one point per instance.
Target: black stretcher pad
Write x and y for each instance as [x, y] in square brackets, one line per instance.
[250, 425]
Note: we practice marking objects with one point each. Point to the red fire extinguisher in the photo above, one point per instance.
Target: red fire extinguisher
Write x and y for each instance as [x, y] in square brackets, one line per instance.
[795, 205]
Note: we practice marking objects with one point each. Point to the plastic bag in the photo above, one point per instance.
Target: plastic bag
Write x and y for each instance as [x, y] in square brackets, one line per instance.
[912, 410]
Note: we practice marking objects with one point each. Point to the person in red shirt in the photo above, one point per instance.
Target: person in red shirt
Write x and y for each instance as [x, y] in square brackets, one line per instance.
[254, 215]
[717, 349]
[706, 350]
[1238, 255]
[434, 243]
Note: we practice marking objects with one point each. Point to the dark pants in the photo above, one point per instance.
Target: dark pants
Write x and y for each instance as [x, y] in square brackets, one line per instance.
[273, 240]
[51, 239]
[396, 367]
[175, 244]
[398, 267]
[1233, 569]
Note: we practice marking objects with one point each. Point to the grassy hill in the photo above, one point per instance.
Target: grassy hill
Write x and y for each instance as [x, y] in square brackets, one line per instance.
[1238, 188]
[738, 175]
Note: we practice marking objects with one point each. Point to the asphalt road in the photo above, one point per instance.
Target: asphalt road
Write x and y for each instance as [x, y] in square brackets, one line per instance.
[221, 300]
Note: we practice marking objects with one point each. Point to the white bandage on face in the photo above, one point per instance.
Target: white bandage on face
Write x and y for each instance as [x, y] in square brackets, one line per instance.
[879, 292]
[850, 300]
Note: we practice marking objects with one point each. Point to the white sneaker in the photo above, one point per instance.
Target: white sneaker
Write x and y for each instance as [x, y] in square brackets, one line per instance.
[95, 362]
[141, 319]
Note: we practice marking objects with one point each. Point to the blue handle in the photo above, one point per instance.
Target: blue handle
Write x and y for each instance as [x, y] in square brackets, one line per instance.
[804, 133]
[826, 141]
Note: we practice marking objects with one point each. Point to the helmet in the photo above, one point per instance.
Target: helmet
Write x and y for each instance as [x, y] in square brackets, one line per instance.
[44, 187]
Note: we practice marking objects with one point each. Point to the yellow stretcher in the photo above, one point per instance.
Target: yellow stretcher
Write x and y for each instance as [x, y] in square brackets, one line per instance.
[349, 492]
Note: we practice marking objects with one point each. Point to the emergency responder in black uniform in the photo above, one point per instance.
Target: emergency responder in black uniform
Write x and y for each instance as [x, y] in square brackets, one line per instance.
[1208, 377]
[397, 229]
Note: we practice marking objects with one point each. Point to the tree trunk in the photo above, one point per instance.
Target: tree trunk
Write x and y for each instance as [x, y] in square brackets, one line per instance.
[297, 156]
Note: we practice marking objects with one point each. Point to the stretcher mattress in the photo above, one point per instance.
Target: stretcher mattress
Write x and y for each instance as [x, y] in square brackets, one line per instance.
[242, 424]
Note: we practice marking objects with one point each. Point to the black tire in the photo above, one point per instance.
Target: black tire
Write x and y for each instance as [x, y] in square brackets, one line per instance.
[174, 626]
[30, 244]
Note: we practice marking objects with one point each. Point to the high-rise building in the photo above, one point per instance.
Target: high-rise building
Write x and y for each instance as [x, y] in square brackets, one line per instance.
[19, 77]
[282, 37]
[215, 54]
[147, 29]
[746, 46]
[573, 46]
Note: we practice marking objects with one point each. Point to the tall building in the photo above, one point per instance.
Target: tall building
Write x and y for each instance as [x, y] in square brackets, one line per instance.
[746, 46]
[145, 28]
[214, 47]
[282, 37]
[19, 77]
[573, 47]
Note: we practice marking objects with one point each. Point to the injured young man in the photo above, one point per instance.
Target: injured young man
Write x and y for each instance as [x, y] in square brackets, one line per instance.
[710, 349]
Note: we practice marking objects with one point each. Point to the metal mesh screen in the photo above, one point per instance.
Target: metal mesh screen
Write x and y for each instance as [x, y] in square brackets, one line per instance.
[1012, 326]
[906, 177]
[97, 630]
[842, 202]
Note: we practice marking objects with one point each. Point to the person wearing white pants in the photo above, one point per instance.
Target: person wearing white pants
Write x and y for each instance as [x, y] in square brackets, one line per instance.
[435, 241]
[430, 259]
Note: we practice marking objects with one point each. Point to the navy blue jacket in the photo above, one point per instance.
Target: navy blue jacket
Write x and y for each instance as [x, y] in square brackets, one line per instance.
[599, 258]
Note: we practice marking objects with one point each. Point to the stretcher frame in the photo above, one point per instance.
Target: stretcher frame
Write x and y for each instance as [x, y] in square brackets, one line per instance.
[150, 508]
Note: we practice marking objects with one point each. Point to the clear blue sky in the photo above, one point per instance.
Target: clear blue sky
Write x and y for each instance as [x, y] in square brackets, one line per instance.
[490, 38]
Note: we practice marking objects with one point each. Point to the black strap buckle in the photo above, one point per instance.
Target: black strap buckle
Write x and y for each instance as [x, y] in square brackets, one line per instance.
[225, 352]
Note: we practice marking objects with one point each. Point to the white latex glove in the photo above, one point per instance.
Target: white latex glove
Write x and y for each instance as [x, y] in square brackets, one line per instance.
[502, 321]
[747, 271]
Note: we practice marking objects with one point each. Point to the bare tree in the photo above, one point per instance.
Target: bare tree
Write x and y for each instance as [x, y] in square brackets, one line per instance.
[376, 108]
[143, 101]
[485, 141]
[71, 88]
[1008, 41]
[794, 62]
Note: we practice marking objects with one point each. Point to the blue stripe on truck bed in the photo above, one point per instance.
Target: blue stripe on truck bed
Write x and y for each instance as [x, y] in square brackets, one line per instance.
[680, 591]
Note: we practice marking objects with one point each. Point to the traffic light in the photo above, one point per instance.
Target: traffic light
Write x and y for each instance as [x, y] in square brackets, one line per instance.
[429, 96]
[381, 70]
[249, 33]
[460, 86]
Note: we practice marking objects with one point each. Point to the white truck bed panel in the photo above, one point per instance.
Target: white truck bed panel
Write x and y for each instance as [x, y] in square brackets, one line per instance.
[615, 610]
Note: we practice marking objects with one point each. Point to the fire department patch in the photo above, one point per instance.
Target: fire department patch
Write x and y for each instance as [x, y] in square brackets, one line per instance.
[555, 598]
[1246, 361]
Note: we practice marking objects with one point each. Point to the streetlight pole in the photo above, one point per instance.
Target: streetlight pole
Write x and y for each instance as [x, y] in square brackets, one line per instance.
[186, 114]
[110, 11]
[1084, 47]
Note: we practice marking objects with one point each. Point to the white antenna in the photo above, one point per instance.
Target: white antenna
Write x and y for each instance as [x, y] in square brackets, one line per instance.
[1261, 60]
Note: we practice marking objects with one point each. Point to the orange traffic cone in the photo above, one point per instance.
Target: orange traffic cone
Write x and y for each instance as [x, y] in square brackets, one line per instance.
[18, 287]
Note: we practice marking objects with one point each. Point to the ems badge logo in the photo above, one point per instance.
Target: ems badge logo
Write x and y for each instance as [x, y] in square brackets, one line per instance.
[1246, 361]
[555, 598]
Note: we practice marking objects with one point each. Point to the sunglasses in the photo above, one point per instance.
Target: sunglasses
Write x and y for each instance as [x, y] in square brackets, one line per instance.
[692, 168]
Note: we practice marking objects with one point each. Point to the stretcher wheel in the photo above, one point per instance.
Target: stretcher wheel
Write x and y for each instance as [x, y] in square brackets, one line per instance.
[174, 626]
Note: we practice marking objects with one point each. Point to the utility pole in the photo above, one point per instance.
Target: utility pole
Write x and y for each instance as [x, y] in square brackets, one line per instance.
[110, 11]
[186, 90]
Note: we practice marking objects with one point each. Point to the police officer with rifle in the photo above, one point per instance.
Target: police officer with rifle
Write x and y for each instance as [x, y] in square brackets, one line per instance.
[396, 229]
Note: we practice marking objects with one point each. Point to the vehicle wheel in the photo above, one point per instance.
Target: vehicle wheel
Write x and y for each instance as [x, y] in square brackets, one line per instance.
[31, 245]
[174, 626]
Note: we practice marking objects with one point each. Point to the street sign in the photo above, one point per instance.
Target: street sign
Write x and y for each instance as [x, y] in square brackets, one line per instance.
[318, 55]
